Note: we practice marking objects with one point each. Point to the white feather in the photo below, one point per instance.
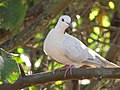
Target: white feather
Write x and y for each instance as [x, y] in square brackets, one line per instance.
[68, 50]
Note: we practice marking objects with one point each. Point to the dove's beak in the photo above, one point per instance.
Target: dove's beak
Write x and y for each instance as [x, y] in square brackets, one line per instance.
[70, 25]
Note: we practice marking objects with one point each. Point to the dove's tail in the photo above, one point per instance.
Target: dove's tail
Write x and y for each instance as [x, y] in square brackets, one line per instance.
[106, 63]
[109, 64]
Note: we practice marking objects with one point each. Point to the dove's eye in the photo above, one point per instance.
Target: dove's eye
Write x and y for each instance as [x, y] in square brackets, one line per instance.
[63, 20]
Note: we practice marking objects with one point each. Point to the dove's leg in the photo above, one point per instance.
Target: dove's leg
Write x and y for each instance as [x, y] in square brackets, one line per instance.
[68, 69]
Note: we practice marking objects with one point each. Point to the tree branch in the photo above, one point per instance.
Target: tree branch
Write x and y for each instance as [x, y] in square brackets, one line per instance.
[41, 23]
[45, 77]
[30, 17]
[2, 1]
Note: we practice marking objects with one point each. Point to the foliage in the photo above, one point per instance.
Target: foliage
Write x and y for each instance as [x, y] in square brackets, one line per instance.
[91, 22]
[10, 72]
[12, 14]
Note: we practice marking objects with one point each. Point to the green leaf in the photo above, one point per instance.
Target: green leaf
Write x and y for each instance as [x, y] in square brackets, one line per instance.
[10, 72]
[12, 14]
[33, 88]
[20, 50]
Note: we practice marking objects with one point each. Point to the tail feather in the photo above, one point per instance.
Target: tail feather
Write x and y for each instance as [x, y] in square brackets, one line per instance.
[111, 65]
[105, 63]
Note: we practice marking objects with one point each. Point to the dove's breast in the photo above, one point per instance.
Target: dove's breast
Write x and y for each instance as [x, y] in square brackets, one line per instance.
[53, 48]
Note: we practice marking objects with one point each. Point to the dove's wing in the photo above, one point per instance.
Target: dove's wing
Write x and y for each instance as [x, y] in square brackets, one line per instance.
[73, 48]
[78, 53]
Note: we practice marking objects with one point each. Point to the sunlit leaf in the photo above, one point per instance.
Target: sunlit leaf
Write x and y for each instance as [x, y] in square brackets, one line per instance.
[107, 41]
[94, 36]
[36, 45]
[51, 27]
[1, 82]
[92, 46]
[97, 30]
[90, 40]
[20, 50]
[33, 88]
[111, 5]
[39, 36]
[105, 21]
[94, 13]
[54, 21]
[58, 82]
[18, 59]
[10, 72]
[54, 65]
[57, 65]
[107, 34]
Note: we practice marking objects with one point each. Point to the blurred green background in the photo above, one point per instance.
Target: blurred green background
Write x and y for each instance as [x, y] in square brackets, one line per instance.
[93, 21]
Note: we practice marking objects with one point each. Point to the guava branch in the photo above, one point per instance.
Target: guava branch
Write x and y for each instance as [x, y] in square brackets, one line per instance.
[45, 77]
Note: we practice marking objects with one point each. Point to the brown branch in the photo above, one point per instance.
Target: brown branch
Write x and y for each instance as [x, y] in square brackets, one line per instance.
[81, 73]
[2, 1]
[41, 23]
[4, 35]
[31, 16]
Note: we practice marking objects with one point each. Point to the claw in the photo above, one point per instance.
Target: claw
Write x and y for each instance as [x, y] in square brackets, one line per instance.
[68, 69]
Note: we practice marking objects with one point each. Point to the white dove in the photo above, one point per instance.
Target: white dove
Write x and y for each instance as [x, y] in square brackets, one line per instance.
[68, 50]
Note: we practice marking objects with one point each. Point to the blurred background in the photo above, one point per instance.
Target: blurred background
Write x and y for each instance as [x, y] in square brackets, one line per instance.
[96, 23]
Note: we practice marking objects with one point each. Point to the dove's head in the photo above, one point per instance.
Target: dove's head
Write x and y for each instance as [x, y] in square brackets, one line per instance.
[64, 22]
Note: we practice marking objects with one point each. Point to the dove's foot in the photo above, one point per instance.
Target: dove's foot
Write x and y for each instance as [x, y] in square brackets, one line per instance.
[68, 69]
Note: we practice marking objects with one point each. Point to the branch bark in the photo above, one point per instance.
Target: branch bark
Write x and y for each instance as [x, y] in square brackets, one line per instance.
[41, 23]
[45, 77]
[2, 1]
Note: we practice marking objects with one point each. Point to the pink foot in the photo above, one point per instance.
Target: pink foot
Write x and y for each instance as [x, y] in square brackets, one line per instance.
[60, 69]
[68, 69]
